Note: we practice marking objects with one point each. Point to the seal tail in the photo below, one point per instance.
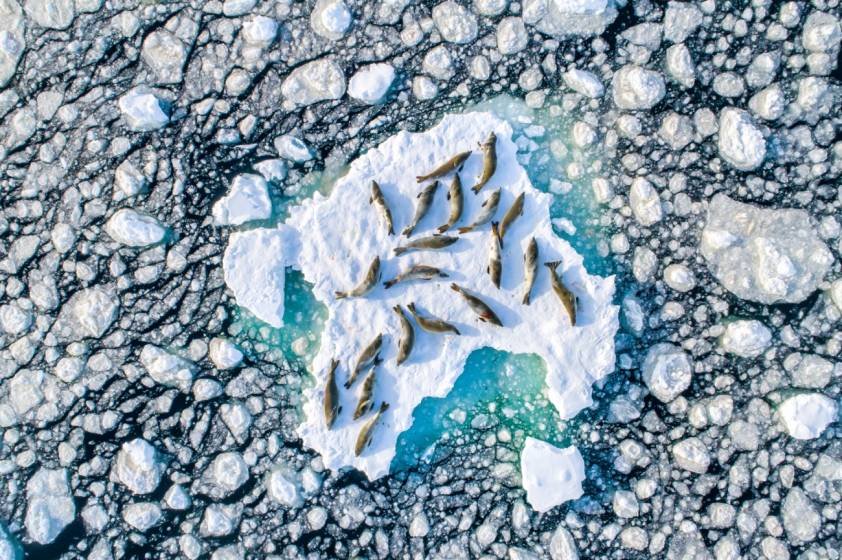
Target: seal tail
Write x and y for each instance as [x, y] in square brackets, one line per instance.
[525, 300]
[552, 265]
[340, 295]
[465, 229]
[400, 251]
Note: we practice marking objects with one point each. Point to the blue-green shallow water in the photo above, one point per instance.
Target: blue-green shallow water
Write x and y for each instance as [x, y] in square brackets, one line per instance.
[496, 388]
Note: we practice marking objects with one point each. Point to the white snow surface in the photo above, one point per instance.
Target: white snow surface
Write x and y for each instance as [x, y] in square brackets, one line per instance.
[551, 475]
[333, 239]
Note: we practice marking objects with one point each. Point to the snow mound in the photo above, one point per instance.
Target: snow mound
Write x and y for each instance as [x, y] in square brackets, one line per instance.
[332, 240]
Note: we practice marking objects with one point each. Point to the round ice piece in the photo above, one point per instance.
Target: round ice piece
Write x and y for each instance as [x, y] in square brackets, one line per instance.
[371, 83]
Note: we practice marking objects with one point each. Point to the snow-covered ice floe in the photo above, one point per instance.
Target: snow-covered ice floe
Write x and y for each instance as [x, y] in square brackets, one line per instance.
[333, 240]
[551, 475]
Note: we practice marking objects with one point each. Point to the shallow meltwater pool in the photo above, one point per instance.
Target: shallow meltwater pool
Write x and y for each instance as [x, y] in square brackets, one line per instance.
[500, 389]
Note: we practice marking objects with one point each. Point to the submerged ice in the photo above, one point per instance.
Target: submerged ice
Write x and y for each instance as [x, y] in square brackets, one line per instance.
[333, 240]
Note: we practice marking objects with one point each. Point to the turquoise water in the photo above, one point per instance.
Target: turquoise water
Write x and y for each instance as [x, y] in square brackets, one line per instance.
[496, 388]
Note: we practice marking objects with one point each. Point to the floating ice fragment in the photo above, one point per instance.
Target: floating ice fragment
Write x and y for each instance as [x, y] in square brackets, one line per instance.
[330, 18]
[371, 83]
[254, 266]
[645, 202]
[551, 475]
[167, 369]
[246, 200]
[806, 416]
[560, 18]
[584, 82]
[227, 472]
[260, 31]
[745, 338]
[142, 516]
[165, 54]
[143, 111]
[138, 466]
[234, 8]
[52, 14]
[134, 229]
[224, 354]
[667, 371]
[50, 507]
[636, 88]
[88, 313]
[740, 142]
[763, 254]
[319, 80]
[455, 22]
[292, 148]
[511, 35]
[12, 40]
[692, 455]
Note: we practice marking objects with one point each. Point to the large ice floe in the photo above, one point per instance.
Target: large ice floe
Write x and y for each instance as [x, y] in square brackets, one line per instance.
[333, 239]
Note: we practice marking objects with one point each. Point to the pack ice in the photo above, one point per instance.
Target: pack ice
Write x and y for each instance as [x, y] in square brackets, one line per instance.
[332, 241]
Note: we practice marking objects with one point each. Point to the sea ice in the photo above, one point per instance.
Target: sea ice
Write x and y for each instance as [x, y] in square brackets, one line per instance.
[763, 254]
[167, 369]
[292, 148]
[319, 80]
[559, 18]
[455, 22]
[667, 371]
[13, 41]
[142, 110]
[806, 415]
[134, 229]
[635, 88]
[260, 31]
[224, 354]
[330, 18]
[551, 475]
[371, 83]
[88, 313]
[745, 338]
[246, 200]
[139, 466]
[50, 507]
[584, 82]
[740, 142]
[254, 269]
[165, 54]
[332, 240]
[52, 14]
